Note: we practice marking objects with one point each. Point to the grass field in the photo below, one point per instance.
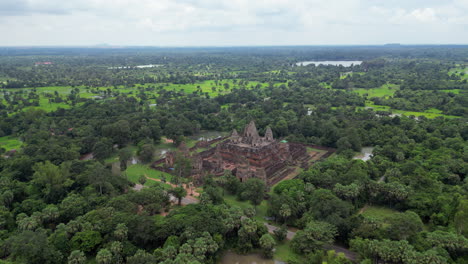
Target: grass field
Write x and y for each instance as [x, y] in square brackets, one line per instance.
[285, 253]
[385, 90]
[344, 75]
[210, 87]
[458, 71]
[379, 213]
[455, 91]
[388, 90]
[10, 143]
[134, 172]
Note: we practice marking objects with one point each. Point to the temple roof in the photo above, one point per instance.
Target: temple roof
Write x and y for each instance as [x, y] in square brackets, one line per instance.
[251, 130]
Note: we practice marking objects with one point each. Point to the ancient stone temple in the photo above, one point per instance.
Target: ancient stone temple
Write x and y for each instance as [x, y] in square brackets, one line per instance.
[247, 155]
[250, 155]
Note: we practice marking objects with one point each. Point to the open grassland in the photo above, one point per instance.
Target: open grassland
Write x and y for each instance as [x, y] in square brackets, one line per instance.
[460, 71]
[385, 90]
[378, 212]
[388, 90]
[9, 143]
[151, 90]
[346, 74]
[430, 113]
[454, 91]
[134, 172]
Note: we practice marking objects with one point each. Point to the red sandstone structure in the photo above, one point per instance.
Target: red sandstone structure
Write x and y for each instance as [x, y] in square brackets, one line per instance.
[247, 155]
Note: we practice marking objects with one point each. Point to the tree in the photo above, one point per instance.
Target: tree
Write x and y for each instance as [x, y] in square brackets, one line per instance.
[179, 193]
[327, 207]
[451, 242]
[253, 190]
[121, 232]
[102, 149]
[100, 177]
[52, 180]
[281, 233]
[182, 165]
[267, 243]
[86, 241]
[142, 257]
[73, 205]
[125, 155]
[146, 153]
[313, 237]
[285, 212]
[214, 194]
[32, 247]
[461, 216]
[104, 256]
[404, 225]
[77, 257]
[142, 180]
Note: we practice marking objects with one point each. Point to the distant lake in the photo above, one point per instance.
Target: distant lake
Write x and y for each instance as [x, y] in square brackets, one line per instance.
[334, 63]
[138, 66]
[366, 154]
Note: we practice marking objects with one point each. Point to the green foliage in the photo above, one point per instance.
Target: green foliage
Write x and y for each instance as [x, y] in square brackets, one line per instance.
[179, 193]
[253, 190]
[86, 241]
[313, 237]
[146, 153]
[29, 246]
[267, 244]
[76, 257]
[52, 204]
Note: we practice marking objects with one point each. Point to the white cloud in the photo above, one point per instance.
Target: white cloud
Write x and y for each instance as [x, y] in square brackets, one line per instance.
[230, 22]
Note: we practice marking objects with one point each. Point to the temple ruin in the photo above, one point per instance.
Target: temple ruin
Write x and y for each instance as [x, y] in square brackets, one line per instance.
[247, 155]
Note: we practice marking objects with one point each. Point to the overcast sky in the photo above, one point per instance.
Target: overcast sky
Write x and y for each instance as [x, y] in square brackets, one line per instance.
[232, 22]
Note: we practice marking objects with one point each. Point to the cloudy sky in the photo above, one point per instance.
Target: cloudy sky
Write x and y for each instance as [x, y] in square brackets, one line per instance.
[232, 22]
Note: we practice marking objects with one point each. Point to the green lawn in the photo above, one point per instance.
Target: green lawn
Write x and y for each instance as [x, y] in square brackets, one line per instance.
[385, 90]
[285, 253]
[458, 71]
[134, 172]
[344, 75]
[430, 113]
[379, 213]
[10, 143]
[454, 91]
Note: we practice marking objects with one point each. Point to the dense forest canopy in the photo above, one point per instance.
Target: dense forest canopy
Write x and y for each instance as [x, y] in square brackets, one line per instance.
[80, 128]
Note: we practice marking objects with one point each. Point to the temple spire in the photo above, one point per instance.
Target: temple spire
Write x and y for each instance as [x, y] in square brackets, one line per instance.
[251, 131]
[269, 134]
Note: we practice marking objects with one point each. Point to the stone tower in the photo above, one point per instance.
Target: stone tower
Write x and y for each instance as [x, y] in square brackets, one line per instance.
[269, 134]
[251, 134]
[235, 136]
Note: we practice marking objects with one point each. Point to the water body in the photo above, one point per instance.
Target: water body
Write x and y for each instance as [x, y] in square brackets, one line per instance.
[366, 153]
[334, 63]
[232, 258]
[137, 67]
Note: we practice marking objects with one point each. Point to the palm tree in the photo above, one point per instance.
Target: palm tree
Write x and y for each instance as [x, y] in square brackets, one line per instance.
[77, 257]
[104, 256]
